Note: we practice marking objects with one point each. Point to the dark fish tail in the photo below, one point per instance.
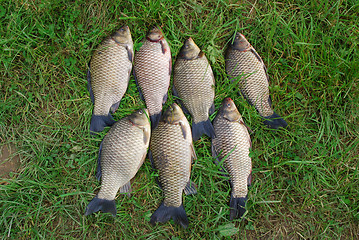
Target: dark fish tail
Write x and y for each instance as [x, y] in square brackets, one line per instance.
[164, 214]
[205, 127]
[155, 118]
[237, 206]
[275, 121]
[97, 204]
[98, 122]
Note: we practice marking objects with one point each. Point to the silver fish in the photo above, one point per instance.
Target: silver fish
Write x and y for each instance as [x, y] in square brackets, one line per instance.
[232, 143]
[243, 62]
[193, 83]
[108, 75]
[171, 154]
[152, 71]
[121, 154]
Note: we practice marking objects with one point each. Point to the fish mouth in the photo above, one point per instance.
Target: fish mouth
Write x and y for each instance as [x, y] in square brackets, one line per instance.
[240, 42]
[227, 101]
[155, 33]
[189, 40]
[155, 28]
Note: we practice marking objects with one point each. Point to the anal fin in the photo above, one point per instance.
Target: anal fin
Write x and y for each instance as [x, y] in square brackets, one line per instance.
[126, 188]
[191, 188]
[115, 106]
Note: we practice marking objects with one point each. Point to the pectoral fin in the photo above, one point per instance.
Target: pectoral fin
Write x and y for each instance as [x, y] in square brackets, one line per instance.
[130, 53]
[185, 130]
[248, 128]
[146, 135]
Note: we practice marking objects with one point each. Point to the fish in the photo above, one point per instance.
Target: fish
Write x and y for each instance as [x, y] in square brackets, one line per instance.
[171, 153]
[108, 76]
[194, 85]
[244, 64]
[231, 145]
[152, 72]
[121, 154]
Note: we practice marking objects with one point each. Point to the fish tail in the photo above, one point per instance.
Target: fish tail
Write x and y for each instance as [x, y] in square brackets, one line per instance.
[204, 127]
[97, 204]
[98, 122]
[164, 214]
[237, 206]
[275, 121]
[155, 118]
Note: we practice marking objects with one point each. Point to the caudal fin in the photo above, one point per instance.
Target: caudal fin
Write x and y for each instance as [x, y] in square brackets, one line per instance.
[275, 121]
[205, 127]
[97, 204]
[164, 214]
[237, 206]
[98, 123]
[155, 118]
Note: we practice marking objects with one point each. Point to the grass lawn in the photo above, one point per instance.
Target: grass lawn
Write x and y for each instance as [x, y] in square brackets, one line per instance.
[305, 178]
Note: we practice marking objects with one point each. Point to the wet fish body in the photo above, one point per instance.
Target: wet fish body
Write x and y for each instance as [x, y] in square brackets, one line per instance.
[108, 76]
[233, 142]
[194, 84]
[244, 64]
[121, 154]
[152, 70]
[172, 152]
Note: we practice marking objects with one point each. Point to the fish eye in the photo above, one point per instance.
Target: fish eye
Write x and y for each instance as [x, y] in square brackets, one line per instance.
[228, 105]
[140, 112]
[186, 46]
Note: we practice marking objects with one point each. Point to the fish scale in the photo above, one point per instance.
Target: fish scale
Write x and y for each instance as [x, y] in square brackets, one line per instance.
[110, 73]
[172, 157]
[114, 159]
[194, 83]
[152, 70]
[253, 83]
[233, 138]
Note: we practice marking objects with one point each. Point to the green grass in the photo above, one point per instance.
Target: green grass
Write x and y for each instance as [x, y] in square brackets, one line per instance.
[305, 178]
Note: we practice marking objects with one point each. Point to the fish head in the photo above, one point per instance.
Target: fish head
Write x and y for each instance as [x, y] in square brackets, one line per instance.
[229, 110]
[189, 50]
[240, 42]
[123, 35]
[155, 34]
[140, 118]
[173, 114]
